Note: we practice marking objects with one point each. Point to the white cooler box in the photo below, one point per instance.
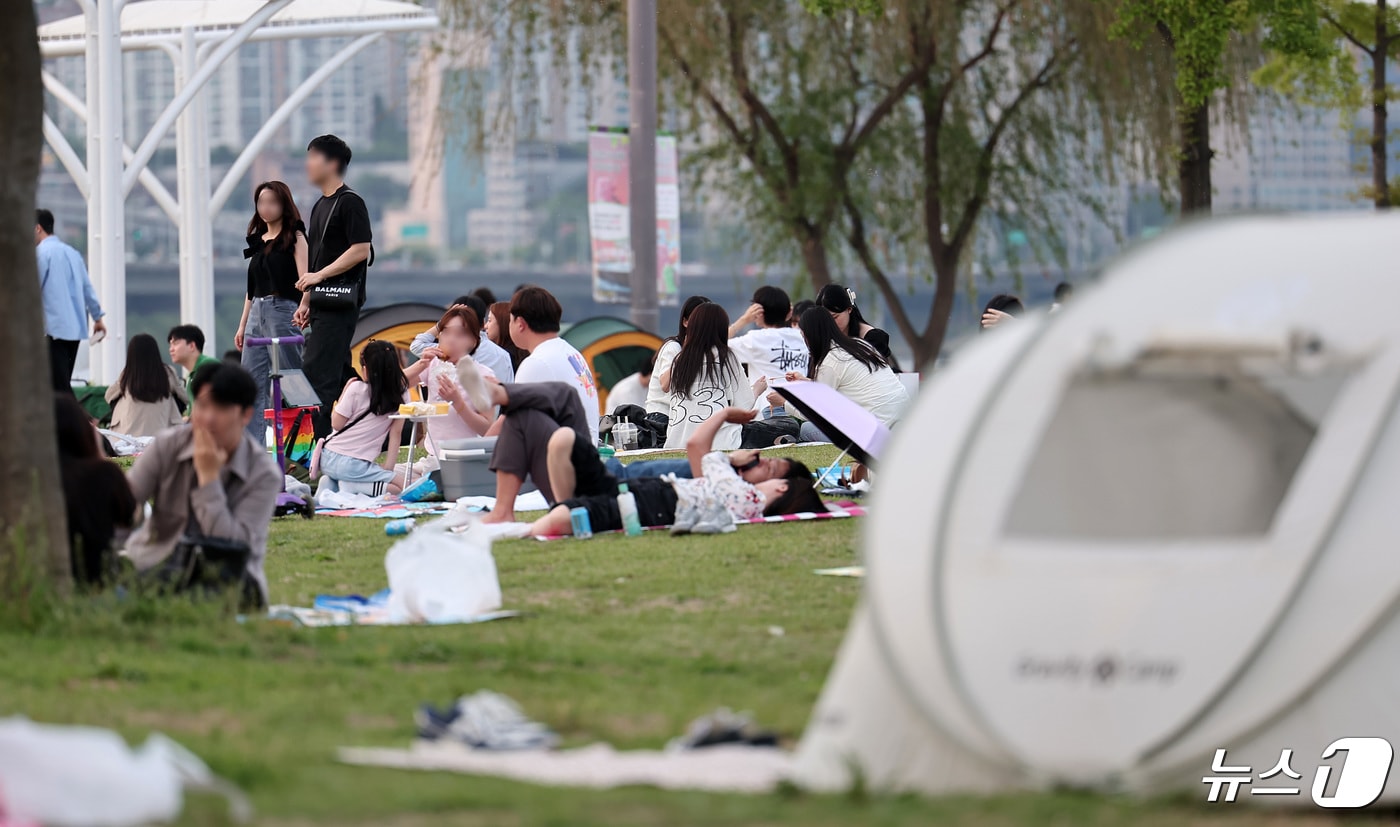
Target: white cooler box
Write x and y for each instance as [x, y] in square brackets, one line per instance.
[465, 467]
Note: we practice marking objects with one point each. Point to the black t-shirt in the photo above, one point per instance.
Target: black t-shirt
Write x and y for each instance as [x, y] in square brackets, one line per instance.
[331, 235]
[272, 270]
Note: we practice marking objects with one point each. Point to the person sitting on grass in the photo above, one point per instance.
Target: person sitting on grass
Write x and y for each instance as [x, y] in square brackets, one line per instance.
[147, 397]
[361, 422]
[458, 335]
[486, 352]
[850, 366]
[96, 495]
[208, 477]
[726, 487]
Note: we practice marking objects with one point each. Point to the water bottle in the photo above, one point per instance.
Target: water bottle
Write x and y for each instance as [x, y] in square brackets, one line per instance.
[395, 528]
[627, 507]
[582, 525]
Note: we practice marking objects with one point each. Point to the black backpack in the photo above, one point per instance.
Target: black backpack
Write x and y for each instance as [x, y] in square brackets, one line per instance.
[649, 433]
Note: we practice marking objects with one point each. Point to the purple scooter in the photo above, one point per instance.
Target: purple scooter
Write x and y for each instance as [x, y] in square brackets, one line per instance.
[286, 503]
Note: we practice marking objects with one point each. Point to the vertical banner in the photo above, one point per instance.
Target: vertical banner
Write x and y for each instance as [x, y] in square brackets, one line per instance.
[609, 218]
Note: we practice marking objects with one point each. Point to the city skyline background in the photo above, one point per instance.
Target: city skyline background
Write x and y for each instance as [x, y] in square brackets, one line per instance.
[447, 219]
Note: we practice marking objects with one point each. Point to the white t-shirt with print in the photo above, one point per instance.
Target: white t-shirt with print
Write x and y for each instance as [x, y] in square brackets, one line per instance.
[555, 360]
[771, 352]
[690, 407]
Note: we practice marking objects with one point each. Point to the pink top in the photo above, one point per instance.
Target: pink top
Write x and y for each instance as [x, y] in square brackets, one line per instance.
[363, 439]
[453, 426]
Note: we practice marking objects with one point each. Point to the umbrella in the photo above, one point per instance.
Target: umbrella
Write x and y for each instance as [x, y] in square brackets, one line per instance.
[852, 428]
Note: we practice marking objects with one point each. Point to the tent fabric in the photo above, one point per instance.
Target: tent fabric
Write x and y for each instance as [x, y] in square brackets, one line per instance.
[1110, 541]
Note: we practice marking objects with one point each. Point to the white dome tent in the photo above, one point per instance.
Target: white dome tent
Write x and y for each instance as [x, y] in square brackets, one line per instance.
[1111, 541]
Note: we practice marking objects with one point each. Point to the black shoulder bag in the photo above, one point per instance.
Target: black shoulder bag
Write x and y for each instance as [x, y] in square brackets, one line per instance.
[338, 295]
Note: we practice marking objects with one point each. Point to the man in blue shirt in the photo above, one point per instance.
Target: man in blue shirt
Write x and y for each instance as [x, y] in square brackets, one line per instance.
[68, 301]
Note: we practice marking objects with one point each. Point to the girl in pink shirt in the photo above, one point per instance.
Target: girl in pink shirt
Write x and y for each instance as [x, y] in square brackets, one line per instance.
[361, 422]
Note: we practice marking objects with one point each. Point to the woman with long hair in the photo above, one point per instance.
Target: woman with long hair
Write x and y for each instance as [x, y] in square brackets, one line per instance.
[851, 366]
[147, 397]
[840, 302]
[276, 254]
[498, 331]
[349, 456]
[658, 402]
[705, 377]
[95, 493]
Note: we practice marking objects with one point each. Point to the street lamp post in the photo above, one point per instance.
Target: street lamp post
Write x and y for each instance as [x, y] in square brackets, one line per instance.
[641, 148]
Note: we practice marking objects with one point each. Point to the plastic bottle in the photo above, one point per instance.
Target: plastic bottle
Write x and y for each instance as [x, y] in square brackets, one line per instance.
[396, 527]
[627, 507]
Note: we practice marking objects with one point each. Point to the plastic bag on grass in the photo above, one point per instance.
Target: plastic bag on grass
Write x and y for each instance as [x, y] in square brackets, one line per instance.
[69, 776]
[436, 576]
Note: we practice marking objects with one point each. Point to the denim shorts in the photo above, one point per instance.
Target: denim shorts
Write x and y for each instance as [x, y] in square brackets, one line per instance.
[352, 469]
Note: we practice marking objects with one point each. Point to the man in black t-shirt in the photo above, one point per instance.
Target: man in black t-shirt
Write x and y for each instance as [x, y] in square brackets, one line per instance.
[339, 238]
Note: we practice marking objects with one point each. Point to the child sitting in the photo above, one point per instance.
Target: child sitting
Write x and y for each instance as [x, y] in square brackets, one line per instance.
[361, 421]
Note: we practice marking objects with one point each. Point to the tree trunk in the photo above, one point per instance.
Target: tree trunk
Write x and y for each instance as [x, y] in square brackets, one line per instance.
[814, 258]
[1193, 170]
[1379, 163]
[33, 542]
[945, 288]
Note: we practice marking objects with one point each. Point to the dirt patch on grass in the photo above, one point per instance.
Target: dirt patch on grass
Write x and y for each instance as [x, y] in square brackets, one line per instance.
[550, 598]
[202, 723]
[689, 605]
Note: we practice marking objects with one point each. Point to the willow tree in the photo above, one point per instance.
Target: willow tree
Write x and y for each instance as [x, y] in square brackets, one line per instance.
[32, 535]
[1207, 40]
[777, 106]
[1368, 30]
[1026, 118]
[880, 132]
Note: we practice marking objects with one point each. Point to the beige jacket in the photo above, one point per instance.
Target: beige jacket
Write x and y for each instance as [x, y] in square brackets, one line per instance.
[136, 418]
[238, 507]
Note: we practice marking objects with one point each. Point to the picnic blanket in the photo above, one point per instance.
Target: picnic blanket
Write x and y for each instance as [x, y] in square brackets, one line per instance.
[722, 768]
[342, 504]
[357, 610]
[835, 511]
[387, 510]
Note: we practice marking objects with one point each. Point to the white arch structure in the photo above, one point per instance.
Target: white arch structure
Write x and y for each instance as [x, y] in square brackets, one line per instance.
[199, 36]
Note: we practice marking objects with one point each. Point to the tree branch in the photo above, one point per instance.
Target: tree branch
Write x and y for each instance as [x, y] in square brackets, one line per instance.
[856, 238]
[758, 111]
[968, 220]
[990, 45]
[1346, 33]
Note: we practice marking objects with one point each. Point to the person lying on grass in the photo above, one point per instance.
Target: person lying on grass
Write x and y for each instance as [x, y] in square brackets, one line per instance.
[544, 428]
[726, 487]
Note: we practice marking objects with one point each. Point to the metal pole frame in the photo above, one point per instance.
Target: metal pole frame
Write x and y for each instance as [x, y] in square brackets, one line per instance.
[641, 156]
[110, 358]
[194, 84]
[148, 179]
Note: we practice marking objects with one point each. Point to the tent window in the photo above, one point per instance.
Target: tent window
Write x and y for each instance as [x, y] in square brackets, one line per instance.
[1175, 454]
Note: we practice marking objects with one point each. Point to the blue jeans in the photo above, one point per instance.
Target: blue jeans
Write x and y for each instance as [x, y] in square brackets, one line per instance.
[648, 468]
[811, 433]
[268, 318]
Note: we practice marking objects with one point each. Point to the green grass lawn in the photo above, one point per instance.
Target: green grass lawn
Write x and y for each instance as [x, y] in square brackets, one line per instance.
[625, 640]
